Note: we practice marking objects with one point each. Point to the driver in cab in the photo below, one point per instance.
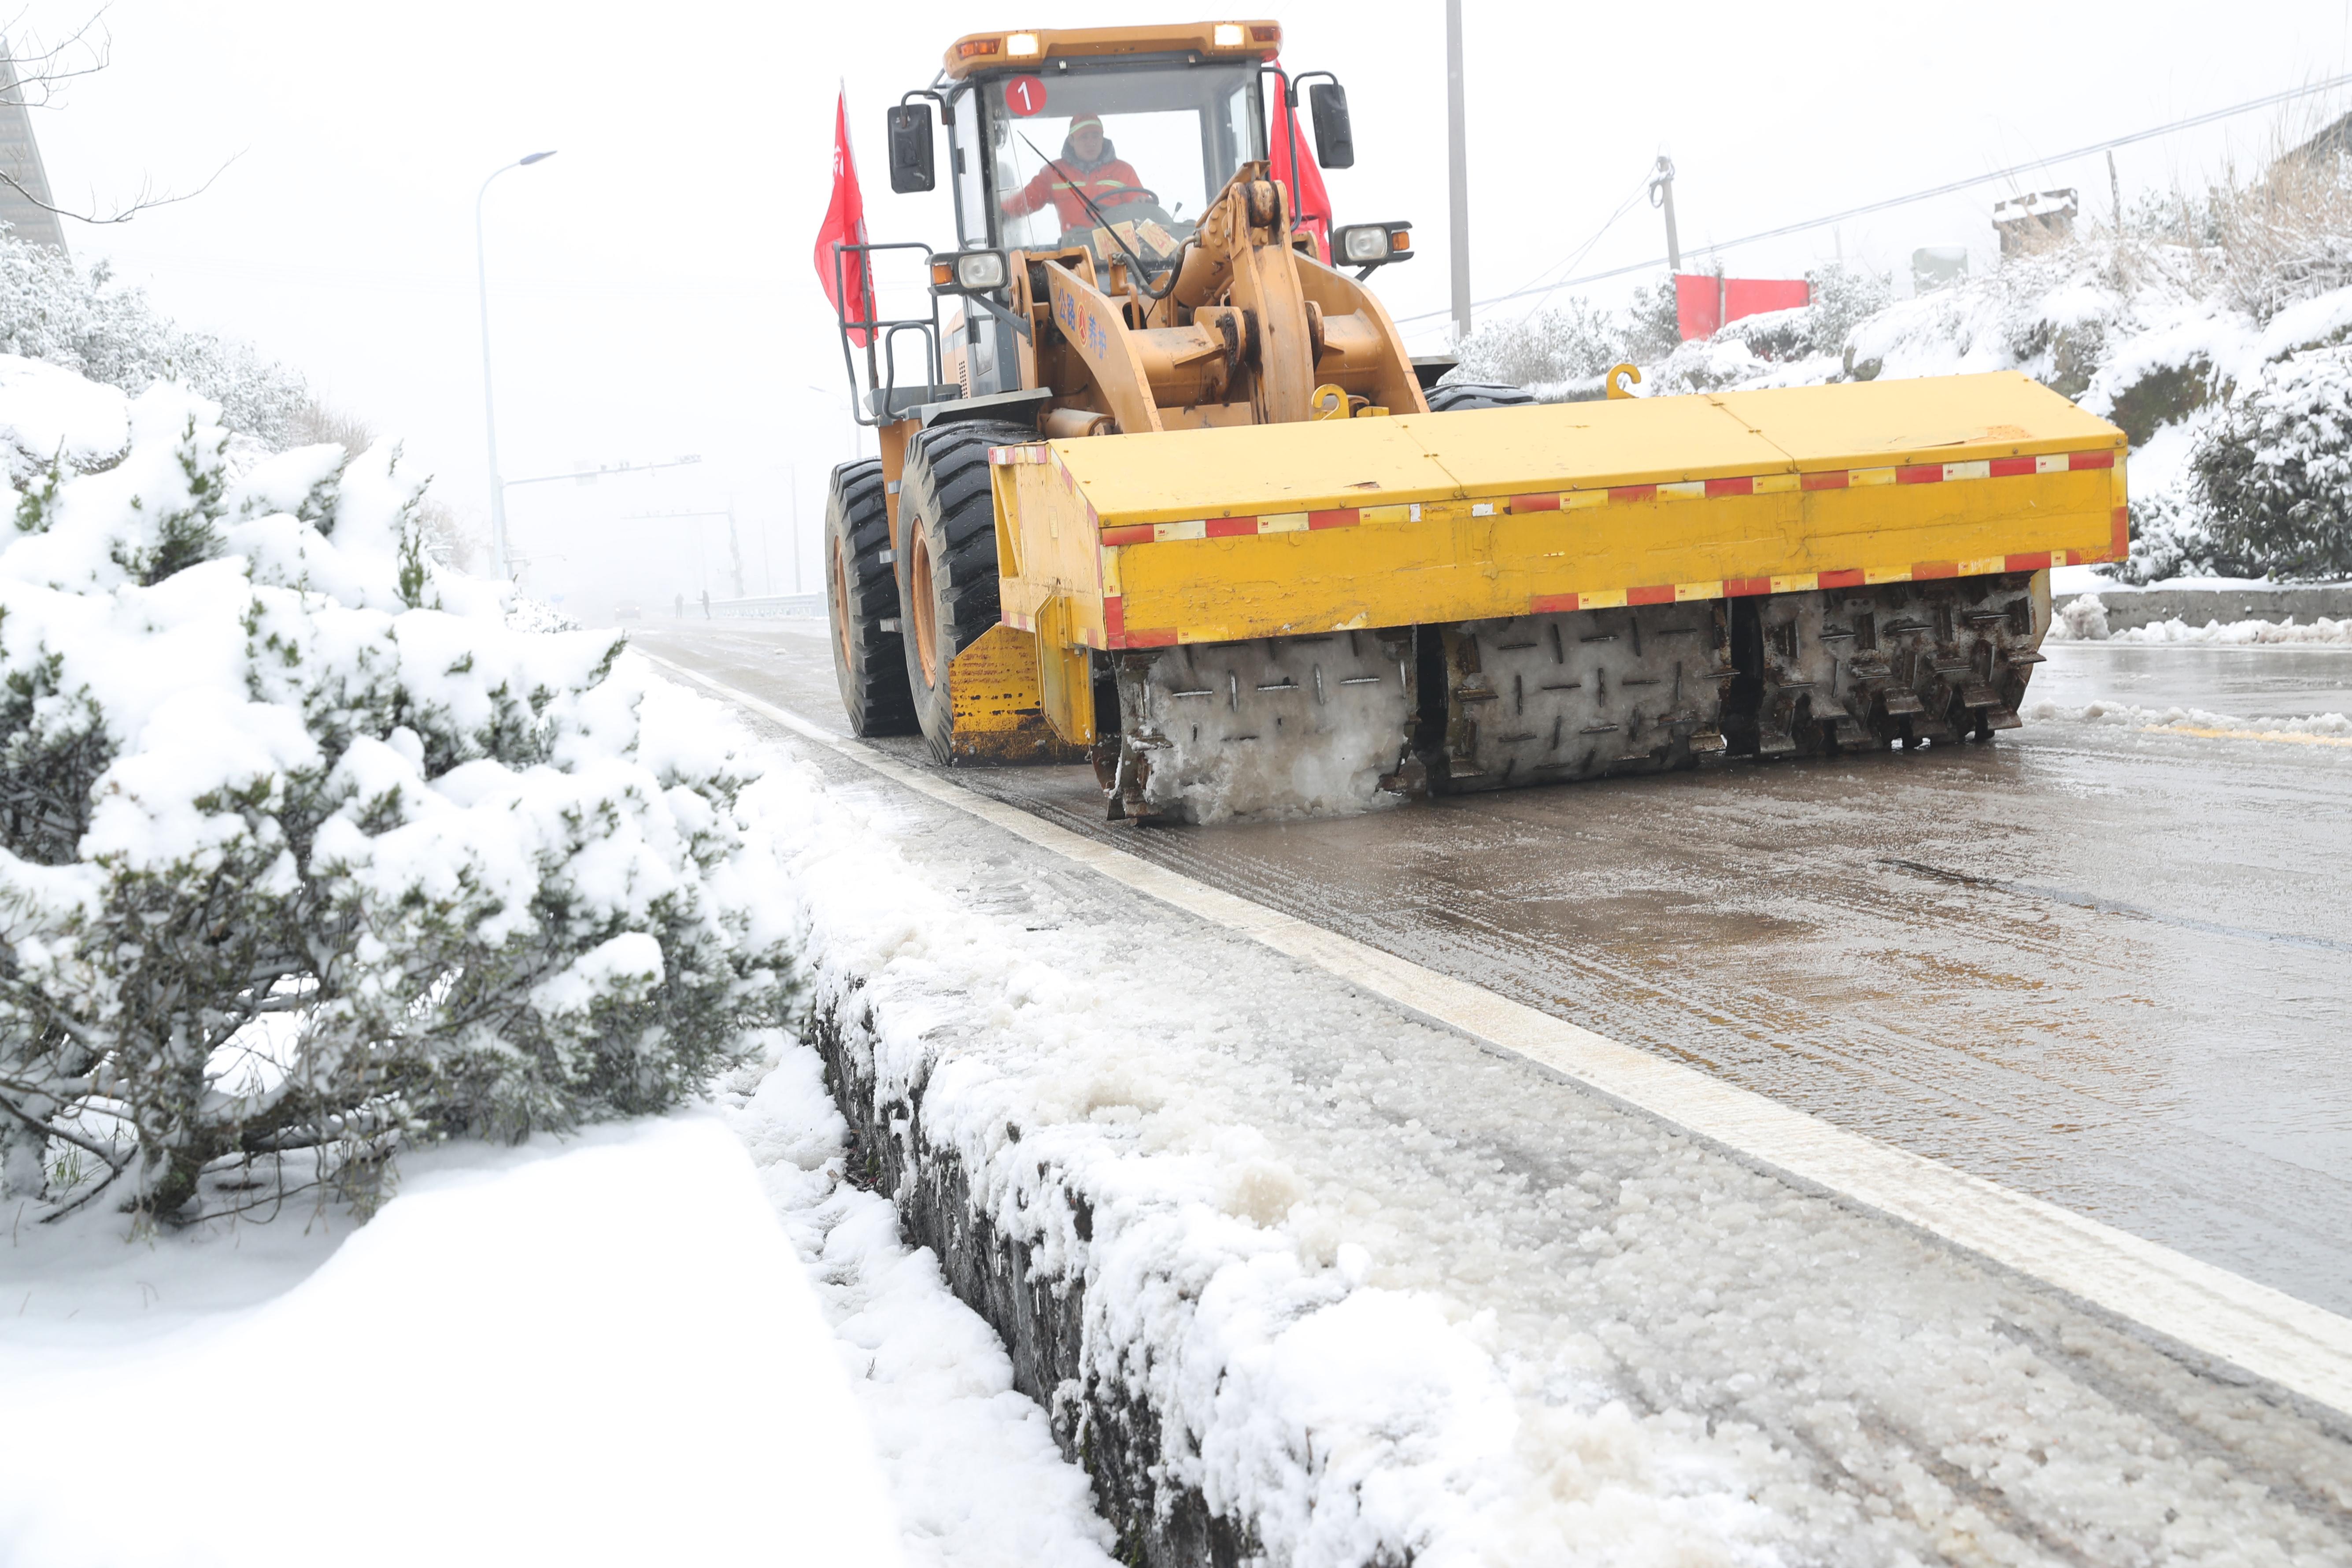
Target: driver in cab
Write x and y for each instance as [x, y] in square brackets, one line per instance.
[1089, 169]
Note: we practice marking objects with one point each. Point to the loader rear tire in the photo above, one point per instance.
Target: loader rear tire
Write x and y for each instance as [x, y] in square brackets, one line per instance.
[1448, 397]
[862, 601]
[947, 561]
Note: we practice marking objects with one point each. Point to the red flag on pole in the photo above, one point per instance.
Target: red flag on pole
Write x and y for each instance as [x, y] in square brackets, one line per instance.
[847, 281]
[1310, 204]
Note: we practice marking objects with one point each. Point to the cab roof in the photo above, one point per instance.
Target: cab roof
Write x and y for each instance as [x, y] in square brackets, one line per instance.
[1019, 47]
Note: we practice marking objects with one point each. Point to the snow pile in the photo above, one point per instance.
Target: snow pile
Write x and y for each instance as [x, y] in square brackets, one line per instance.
[305, 855]
[2084, 619]
[444, 1409]
[971, 1462]
[2323, 726]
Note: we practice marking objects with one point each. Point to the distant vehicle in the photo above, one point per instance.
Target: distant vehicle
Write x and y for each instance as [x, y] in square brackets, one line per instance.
[628, 610]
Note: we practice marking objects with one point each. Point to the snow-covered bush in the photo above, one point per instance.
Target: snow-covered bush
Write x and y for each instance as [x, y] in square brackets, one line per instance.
[1563, 351]
[305, 853]
[52, 312]
[2274, 473]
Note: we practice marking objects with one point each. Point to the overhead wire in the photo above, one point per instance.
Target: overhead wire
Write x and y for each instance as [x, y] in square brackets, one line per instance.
[1928, 195]
[1535, 286]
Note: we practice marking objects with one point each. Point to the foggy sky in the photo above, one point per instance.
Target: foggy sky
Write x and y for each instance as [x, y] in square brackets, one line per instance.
[651, 289]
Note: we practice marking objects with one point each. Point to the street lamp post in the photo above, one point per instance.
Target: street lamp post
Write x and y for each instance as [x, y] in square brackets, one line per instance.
[499, 558]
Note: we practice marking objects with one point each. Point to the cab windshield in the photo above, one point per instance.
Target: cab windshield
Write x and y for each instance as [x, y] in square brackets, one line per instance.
[1072, 151]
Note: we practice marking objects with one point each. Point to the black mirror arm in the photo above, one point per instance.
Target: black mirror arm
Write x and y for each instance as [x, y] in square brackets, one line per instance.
[1289, 130]
[947, 109]
[1020, 324]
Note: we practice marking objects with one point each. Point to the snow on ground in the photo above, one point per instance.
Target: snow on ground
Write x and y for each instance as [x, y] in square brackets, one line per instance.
[971, 1463]
[1395, 1298]
[2324, 726]
[614, 1353]
[602, 1351]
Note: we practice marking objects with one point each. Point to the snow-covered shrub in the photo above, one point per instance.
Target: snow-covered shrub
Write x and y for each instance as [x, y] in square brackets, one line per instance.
[302, 848]
[2170, 538]
[2274, 472]
[1563, 353]
[52, 312]
[1570, 343]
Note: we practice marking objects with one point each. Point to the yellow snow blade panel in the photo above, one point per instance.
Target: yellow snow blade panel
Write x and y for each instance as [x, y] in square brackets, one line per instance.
[1268, 531]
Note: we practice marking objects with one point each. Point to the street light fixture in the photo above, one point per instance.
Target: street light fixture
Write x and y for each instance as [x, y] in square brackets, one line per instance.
[499, 561]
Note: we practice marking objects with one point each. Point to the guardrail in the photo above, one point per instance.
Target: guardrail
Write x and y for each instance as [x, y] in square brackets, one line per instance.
[772, 607]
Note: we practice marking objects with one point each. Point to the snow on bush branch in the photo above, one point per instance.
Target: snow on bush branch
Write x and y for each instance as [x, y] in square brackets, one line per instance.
[52, 312]
[304, 854]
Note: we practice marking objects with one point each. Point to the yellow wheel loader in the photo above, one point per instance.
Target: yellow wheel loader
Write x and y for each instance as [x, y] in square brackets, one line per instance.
[1166, 492]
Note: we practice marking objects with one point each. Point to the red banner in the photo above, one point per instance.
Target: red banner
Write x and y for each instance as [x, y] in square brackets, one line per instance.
[1705, 304]
[1310, 204]
[847, 279]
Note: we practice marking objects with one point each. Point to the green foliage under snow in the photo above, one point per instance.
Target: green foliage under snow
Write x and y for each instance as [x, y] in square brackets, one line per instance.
[305, 856]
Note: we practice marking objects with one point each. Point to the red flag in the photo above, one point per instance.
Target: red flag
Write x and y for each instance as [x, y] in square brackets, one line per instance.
[1310, 204]
[850, 287]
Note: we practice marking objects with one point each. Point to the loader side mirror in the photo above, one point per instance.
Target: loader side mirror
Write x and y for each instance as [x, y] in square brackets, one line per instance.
[911, 149]
[1335, 140]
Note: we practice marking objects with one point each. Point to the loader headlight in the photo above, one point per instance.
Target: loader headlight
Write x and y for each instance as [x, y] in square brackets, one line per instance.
[1021, 44]
[1372, 244]
[1226, 36]
[968, 271]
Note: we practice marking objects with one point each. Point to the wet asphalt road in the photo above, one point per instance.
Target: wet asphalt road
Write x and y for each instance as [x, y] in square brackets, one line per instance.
[2108, 967]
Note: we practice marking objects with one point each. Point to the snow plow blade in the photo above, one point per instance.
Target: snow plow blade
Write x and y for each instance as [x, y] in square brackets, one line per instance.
[1878, 542]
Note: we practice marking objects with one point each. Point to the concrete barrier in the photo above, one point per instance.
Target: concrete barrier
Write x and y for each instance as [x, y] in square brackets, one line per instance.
[2130, 607]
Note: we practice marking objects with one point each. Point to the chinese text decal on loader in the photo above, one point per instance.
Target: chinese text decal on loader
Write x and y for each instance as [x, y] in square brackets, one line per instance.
[1170, 494]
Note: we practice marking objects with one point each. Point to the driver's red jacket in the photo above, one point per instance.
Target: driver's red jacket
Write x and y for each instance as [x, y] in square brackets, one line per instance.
[1107, 184]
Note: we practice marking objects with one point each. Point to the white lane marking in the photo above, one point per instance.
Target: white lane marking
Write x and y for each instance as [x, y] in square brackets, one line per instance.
[2304, 1349]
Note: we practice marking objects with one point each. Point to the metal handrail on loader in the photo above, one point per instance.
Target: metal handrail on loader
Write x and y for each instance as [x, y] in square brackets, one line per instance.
[880, 406]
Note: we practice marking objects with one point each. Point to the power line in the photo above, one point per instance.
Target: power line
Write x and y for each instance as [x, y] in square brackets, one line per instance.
[1943, 190]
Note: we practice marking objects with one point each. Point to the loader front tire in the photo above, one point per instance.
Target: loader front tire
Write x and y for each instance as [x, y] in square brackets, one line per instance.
[861, 602]
[947, 561]
[1448, 397]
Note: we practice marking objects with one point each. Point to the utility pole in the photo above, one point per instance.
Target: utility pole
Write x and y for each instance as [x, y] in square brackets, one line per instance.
[2115, 190]
[793, 478]
[767, 557]
[1457, 169]
[1662, 196]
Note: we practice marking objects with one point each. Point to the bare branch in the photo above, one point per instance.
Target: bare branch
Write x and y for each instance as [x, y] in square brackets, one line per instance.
[121, 213]
[31, 81]
[38, 69]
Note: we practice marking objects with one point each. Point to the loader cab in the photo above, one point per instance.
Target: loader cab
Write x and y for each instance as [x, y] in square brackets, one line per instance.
[1182, 125]
[1181, 108]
